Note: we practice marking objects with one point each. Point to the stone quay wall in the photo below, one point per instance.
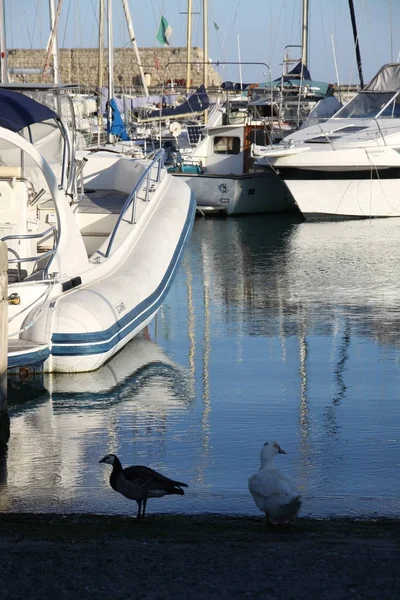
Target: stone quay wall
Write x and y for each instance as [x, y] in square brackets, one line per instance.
[80, 65]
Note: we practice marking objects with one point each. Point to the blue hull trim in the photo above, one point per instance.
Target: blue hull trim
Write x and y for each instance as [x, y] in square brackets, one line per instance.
[79, 344]
[29, 359]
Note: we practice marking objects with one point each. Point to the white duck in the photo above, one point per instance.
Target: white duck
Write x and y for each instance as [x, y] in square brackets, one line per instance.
[274, 492]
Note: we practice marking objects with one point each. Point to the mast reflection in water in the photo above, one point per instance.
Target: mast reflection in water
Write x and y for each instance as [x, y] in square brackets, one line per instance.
[273, 329]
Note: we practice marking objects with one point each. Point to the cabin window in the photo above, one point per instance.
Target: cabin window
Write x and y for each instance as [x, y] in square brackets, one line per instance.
[226, 145]
[259, 137]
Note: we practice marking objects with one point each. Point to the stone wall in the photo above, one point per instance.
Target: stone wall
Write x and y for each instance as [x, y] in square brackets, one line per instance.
[80, 65]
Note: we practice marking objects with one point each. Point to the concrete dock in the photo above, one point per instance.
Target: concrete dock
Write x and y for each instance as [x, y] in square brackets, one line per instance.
[203, 557]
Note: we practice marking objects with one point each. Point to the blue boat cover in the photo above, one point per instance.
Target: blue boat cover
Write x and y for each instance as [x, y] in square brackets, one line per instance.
[293, 75]
[117, 127]
[18, 111]
[197, 102]
[300, 70]
[234, 86]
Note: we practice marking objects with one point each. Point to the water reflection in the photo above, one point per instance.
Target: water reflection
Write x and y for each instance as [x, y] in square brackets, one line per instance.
[56, 440]
[322, 299]
[282, 267]
[274, 328]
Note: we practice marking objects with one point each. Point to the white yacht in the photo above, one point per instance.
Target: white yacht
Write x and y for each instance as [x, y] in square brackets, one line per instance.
[349, 165]
[93, 244]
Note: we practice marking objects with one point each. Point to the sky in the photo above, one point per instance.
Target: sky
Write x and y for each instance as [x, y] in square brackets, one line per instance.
[255, 30]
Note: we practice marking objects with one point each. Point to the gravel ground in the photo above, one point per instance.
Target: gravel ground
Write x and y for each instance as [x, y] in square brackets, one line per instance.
[165, 557]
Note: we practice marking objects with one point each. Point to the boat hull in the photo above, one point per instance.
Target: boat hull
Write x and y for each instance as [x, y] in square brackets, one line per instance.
[86, 325]
[253, 193]
[346, 197]
[341, 181]
[121, 306]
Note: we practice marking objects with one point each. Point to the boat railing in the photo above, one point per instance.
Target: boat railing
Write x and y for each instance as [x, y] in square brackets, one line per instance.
[30, 236]
[380, 131]
[131, 201]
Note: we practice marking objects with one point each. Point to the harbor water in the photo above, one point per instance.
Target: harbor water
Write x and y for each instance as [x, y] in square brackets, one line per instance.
[274, 329]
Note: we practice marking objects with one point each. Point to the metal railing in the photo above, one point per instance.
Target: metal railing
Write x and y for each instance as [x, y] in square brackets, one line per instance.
[31, 236]
[131, 200]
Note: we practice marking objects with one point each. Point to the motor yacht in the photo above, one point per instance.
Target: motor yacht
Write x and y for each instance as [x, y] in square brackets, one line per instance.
[349, 165]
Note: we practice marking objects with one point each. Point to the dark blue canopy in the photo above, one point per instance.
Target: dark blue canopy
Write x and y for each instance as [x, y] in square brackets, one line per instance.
[300, 70]
[234, 85]
[197, 102]
[18, 111]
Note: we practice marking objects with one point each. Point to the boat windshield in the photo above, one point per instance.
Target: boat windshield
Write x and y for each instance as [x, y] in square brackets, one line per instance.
[368, 105]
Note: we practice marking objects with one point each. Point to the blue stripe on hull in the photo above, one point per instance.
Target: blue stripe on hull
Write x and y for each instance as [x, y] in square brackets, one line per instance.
[79, 343]
[28, 359]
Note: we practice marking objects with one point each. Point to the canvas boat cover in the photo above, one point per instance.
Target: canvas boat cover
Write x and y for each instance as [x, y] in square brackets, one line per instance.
[300, 70]
[18, 111]
[117, 126]
[293, 79]
[387, 79]
[196, 103]
[235, 86]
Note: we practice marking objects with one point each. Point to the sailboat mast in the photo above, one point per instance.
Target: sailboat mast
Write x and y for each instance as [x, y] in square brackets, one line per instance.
[110, 50]
[304, 34]
[205, 52]
[240, 62]
[110, 66]
[355, 36]
[189, 45]
[54, 40]
[205, 43]
[3, 46]
[134, 44]
[100, 74]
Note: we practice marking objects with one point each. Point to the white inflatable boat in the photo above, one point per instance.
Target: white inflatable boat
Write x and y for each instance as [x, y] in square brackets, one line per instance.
[88, 270]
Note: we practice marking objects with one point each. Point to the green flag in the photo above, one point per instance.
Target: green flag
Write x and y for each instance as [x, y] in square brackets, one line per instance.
[164, 32]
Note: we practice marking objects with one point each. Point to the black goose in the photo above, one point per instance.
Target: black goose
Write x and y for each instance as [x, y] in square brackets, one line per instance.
[140, 483]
